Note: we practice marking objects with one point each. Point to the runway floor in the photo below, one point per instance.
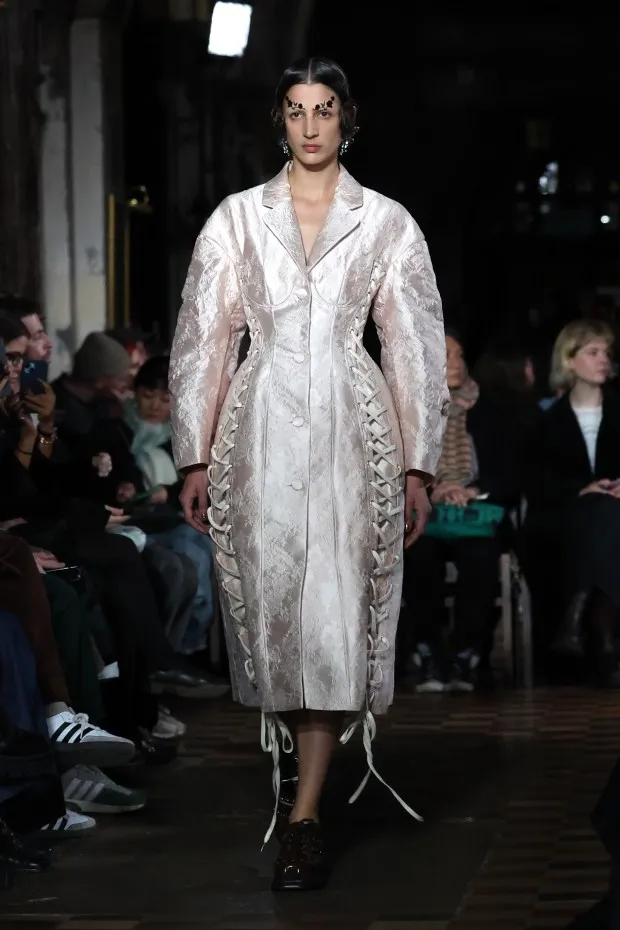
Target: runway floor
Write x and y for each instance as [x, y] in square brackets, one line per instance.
[505, 782]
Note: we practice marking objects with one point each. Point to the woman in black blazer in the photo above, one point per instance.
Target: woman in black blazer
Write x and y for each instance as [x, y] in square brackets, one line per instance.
[574, 486]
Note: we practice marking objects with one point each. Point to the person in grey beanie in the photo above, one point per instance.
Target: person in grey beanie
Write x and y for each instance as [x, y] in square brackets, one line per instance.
[101, 359]
[99, 378]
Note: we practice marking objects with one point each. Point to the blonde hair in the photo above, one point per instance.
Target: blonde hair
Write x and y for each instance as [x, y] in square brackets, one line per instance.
[574, 337]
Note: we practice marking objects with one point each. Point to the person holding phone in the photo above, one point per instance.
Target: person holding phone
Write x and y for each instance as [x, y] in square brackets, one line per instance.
[145, 481]
[44, 493]
[32, 407]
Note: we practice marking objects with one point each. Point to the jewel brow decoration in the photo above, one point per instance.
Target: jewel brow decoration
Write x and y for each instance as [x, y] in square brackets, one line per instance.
[293, 105]
[326, 104]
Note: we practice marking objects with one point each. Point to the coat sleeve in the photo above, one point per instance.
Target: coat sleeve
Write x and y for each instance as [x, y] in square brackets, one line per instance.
[208, 334]
[408, 316]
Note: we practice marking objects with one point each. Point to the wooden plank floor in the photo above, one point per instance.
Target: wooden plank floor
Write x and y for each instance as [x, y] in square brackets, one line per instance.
[506, 784]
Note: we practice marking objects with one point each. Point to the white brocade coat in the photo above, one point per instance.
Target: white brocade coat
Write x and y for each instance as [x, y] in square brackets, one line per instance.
[308, 462]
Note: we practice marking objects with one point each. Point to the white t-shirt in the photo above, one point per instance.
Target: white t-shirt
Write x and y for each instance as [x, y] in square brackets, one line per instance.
[589, 419]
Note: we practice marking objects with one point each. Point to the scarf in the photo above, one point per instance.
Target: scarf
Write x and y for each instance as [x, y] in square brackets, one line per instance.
[154, 462]
[457, 464]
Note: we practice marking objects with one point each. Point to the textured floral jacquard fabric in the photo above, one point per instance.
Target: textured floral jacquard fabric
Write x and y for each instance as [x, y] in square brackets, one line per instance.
[308, 454]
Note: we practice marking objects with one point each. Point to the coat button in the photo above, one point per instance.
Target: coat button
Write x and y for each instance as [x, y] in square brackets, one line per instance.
[298, 421]
[297, 485]
[299, 357]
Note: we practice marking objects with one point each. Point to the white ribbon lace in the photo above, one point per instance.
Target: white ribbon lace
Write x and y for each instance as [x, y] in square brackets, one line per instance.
[219, 475]
[369, 731]
[271, 726]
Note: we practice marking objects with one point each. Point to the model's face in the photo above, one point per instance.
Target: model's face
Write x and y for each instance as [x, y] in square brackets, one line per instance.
[455, 364]
[311, 114]
[592, 363]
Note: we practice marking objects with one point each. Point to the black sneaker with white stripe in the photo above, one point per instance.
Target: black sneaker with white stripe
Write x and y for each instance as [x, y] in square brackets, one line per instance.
[88, 790]
[72, 824]
[76, 741]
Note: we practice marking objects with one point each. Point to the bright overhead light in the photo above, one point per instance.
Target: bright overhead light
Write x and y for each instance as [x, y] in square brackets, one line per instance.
[605, 219]
[230, 28]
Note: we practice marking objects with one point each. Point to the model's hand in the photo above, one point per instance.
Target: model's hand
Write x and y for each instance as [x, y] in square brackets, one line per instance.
[193, 499]
[417, 509]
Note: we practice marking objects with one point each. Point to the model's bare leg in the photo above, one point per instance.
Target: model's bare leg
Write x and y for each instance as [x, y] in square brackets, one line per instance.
[316, 734]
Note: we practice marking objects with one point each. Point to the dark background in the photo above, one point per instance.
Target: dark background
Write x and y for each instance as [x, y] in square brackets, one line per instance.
[460, 111]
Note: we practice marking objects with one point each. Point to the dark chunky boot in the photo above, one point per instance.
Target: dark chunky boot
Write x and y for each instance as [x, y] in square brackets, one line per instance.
[570, 638]
[302, 863]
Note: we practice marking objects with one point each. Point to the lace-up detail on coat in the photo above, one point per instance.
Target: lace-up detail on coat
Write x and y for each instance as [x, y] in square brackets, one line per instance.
[386, 501]
[387, 505]
[220, 487]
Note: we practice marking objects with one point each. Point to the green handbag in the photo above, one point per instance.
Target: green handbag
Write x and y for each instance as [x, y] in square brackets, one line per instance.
[478, 518]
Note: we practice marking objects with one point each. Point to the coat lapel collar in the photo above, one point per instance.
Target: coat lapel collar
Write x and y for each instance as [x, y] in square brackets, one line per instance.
[342, 218]
[281, 219]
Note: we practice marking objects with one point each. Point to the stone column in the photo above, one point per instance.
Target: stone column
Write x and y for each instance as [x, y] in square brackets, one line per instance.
[88, 178]
[19, 149]
[56, 239]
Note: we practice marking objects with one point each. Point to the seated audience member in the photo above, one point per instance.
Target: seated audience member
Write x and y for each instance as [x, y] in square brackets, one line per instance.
[22, 593]
[504, 374]
[99, 378]
[137, 345]
[139, 446]
[481, 457]
[573, 515]
[85, 786]
[31, 796]
[93, 390]
[507, 407]
[27, 312]
[75, 530]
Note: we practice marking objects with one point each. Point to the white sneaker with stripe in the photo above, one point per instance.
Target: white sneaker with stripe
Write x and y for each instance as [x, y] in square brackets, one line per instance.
[89, 790]
[71, 824]
[78, 741]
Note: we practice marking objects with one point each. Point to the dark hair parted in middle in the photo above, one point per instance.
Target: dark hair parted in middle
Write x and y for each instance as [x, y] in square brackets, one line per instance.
[318, 71]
